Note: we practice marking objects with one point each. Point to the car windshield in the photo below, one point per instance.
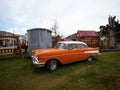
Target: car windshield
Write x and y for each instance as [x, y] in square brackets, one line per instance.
[60, 46]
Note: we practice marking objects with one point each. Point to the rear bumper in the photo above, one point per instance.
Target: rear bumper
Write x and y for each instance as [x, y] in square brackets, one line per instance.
[36, 62]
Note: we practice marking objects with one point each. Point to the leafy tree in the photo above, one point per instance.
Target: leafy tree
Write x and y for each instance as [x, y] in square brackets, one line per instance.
[104, 30]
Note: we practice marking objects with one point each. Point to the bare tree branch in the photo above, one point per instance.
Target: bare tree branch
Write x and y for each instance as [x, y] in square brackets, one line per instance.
[55, 27]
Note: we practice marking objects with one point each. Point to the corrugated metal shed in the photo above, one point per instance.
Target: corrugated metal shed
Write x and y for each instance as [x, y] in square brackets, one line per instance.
[39, 38]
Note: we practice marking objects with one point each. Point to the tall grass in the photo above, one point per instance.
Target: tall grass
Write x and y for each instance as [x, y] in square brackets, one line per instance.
[103, 73]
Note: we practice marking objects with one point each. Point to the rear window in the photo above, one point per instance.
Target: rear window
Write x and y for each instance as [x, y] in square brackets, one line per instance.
[82, 46]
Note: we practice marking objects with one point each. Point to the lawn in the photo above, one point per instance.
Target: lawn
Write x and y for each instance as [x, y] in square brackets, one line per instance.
[102, 73]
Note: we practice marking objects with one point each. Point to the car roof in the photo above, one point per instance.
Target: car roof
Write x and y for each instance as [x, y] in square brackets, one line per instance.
[72, 42]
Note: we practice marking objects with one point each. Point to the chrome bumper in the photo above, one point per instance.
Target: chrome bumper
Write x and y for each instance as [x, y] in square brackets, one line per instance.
[36, 62]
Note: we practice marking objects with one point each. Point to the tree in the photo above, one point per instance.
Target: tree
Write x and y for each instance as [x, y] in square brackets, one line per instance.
[111, 30]
[56, 34]
[104, 30]
[55, 27]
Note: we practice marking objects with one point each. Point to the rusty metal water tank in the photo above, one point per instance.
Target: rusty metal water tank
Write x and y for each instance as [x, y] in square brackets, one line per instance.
[39, 38]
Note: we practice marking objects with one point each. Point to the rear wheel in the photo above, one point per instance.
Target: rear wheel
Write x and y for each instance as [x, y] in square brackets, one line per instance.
[52, 65]
[90, 58]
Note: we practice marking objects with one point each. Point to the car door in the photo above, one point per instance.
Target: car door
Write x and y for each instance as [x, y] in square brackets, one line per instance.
[73, 53]
[82, 48]
[68, 53]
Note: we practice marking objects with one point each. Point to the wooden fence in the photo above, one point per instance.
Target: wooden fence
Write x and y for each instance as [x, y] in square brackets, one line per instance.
[13, 50]
[7, 51]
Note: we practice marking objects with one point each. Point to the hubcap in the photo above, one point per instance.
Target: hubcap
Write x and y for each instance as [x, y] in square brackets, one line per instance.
[90, 59]
[53, 65]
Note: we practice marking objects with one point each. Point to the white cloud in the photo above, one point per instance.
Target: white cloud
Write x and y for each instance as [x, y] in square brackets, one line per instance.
[72, 15]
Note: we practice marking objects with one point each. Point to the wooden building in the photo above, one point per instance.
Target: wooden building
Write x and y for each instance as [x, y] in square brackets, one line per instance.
[90, 37]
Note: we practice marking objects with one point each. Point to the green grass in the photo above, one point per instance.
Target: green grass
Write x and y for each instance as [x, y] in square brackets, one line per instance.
[103, 73]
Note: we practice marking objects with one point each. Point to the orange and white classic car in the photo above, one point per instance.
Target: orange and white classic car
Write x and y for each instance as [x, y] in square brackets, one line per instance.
[64, 52]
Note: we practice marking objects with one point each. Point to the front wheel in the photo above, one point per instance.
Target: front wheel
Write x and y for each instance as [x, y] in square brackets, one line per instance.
[52, 65]
[90, 58]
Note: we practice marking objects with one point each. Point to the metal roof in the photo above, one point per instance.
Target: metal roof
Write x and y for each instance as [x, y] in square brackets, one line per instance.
[87, 33]
[33, 29]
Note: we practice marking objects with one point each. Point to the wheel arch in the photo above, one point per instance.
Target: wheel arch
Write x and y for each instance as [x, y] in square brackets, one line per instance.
[91, 56]
[54, 59]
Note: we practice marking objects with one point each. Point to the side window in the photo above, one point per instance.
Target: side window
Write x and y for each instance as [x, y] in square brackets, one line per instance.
[81, 46]
[71, 46]
[62, 46]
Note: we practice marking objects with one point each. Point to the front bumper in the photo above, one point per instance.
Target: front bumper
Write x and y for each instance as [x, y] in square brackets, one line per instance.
[36, 62]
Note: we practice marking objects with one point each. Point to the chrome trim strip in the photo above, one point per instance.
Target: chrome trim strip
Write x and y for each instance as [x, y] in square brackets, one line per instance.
[92, 51]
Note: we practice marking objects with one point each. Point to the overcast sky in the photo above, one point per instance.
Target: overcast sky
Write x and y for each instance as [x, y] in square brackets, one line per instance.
[71, 15]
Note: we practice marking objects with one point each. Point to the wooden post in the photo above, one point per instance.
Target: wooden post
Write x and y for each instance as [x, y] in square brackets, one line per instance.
[19, 47]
